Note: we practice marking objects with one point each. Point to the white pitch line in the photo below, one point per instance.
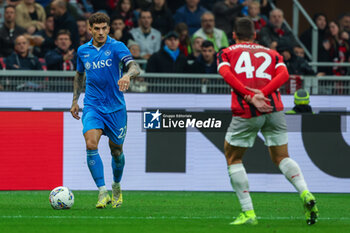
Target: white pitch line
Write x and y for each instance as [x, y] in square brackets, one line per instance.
[160, 217]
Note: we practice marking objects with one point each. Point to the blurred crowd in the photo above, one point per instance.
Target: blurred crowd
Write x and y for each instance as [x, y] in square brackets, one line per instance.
[181, 36]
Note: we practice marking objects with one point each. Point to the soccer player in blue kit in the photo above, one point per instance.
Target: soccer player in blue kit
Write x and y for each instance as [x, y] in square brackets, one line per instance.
[104, 112]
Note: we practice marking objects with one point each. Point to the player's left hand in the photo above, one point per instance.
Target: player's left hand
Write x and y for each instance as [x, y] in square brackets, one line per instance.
[258, 101]
[124, 83]
[248, 98]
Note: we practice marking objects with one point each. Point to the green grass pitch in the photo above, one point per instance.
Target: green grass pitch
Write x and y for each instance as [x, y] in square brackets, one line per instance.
[163, 212]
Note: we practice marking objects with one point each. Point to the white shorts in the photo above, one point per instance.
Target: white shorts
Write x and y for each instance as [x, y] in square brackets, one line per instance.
[242, 131]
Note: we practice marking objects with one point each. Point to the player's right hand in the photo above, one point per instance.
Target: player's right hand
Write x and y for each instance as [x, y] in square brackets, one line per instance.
[259, 101]
[74, 110]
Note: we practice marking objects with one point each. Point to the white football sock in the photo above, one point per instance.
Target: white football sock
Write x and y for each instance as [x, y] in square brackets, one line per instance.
[239, 181]
[292, 172]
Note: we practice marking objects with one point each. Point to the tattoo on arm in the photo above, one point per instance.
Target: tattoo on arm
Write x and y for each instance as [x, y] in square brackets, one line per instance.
[78, 86]
[133, 69]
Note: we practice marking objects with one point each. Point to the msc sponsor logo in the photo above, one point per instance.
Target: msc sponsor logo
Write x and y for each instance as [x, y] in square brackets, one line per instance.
[101, 64]
[98, 65]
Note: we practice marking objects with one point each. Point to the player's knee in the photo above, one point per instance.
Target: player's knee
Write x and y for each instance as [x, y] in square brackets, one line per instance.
[116, 152]
[91, 144]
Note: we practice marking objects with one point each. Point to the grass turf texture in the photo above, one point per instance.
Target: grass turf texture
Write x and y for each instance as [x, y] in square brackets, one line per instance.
[30, 211]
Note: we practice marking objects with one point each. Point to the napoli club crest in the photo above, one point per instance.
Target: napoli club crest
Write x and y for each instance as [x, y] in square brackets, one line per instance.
[87, 65]
[108, 52]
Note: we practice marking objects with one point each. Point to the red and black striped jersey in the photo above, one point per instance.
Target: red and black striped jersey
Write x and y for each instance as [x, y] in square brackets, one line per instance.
[254, 66]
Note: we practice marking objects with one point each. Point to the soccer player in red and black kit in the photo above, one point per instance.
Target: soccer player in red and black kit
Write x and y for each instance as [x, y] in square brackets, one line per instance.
[255, 73]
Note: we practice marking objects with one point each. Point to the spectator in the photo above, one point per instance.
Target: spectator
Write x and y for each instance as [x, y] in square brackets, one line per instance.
[190, 14]
[295, 65]
[299, 51]
[61, 58]
[254, 14]
[9, 31]
[168, 59]
[84, 35]
[226, 13]
[119, 31]
[47, 43]
[162, 17]
[134, 49]
[265, 7]
[21, 58]
[125, 9]
[147, 37]
[320, 20]
[301, 101]
[196, 48]
[275, 34]
[30, 15]
[345, 22]
[206, 62]
[64, 21]
[209, 32]
[337, 47]
[185, 41]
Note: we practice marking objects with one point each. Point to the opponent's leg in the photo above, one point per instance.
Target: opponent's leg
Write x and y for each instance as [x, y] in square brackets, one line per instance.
[92, 138]
[239, 181]
[291, 170]
[118, 162]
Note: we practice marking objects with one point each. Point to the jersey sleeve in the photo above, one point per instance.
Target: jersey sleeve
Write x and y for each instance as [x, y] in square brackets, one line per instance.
[279, 61]
[224, 69]
[281, 76]
[222, 60]
[124, 54]
[80, 64]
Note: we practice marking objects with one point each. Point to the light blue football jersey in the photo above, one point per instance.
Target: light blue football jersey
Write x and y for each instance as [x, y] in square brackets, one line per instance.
[103, 68]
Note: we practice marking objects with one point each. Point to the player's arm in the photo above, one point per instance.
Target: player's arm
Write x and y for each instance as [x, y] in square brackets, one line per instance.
[133, 71]
[78, 88]
[258, 100]
[224, 69]
[235, 84]
[281, 76]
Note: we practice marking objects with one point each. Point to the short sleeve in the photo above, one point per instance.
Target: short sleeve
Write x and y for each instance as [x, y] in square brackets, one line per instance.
[123, 54]
[80, 64]
[222, 59]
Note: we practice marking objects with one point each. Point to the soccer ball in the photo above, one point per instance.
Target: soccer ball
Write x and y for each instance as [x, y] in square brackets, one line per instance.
[61, 198]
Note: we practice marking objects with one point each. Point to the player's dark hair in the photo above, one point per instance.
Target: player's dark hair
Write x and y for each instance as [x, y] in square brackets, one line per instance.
[244, 29]
[207, 44]
[99, 17]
